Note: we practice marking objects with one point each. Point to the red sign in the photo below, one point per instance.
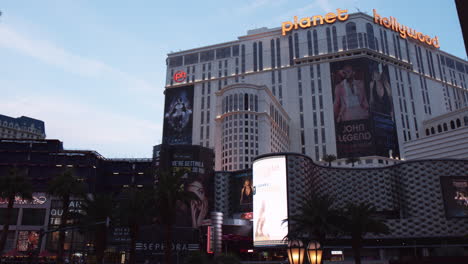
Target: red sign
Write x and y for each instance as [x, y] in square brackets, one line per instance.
[180, 76]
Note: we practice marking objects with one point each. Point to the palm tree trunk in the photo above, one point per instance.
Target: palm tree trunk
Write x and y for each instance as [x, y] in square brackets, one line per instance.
[168, 244]
[133, 237]
[6, 226]
[63, 224]
[356, 245]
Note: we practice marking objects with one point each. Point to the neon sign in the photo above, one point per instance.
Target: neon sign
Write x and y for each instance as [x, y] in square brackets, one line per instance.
[180, 76]
[308, 22]
[405, 31]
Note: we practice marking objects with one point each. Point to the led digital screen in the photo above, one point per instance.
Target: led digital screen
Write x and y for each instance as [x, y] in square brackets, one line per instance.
[455, 193]
[270, 201]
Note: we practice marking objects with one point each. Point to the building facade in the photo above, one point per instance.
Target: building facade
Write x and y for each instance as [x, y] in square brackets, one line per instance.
[445, 136]
[351, 86]
[21, 127]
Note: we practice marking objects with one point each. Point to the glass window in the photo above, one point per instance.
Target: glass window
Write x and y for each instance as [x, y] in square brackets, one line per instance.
[309, 43]
[191, 59]
[175, 61]
[351, 35]
[316, 51]
[272, 49]
[222, 53]
[255, 56]
[260, 56]
[207, 56]
[291, 53]
[33, 217]
[329, 44]
[13, 217]
[335, 39]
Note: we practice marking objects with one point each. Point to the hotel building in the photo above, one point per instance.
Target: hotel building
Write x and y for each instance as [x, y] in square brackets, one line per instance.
[352, 87]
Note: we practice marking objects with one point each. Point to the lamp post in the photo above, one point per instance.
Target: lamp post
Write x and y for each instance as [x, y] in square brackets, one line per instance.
[296, 251]
[314, 253]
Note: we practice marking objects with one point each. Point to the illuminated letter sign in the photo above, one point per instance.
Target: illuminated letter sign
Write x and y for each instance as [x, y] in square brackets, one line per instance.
[404, 31]
[180, 76]
[308, 22]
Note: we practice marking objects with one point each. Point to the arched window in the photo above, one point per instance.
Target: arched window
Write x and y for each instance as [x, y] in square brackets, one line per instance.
[316, 51]
[465, 118]
[255, 56]
[458, 122]
[452, 124]
[329, 44]
[445, 127]
[427, 131]
[370, 36]
[432, 131]
[335, 39]
[351, 35]
[439, 128]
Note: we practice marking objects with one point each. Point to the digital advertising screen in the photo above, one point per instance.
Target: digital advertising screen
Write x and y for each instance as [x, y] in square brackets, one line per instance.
[270, 201]
[28, 240]
[455, 194]
[178, 115]
[363, 109]
[241, 185]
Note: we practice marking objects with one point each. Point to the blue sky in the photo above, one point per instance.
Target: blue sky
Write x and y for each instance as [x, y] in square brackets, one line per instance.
[94, 70]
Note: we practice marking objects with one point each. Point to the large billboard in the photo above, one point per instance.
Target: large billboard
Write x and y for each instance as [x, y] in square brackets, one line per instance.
[241, 192]
[197, 164]
[455, 193]
[270, 202]
[178, 115]
[363, 109]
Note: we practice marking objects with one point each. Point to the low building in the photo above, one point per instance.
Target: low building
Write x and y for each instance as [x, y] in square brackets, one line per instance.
[446, 136]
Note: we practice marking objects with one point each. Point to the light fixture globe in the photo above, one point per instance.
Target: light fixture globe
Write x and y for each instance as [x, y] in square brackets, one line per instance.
[314, 252]
[296, 251]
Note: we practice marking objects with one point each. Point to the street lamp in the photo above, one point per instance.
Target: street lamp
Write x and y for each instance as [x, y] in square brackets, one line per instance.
[296, 251]
[314, 252]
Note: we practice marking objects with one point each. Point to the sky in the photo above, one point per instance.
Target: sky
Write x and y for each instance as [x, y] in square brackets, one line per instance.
[94, 71]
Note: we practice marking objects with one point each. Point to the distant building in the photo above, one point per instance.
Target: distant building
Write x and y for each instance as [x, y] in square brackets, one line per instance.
[21, 127]
[446, 137]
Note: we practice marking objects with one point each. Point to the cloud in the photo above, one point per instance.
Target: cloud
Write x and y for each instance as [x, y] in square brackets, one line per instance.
[84, 126]
[49, 53]
[252, 6]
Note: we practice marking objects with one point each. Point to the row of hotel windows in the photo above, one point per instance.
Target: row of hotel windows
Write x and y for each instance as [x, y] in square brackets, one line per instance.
[240, 102]
[444, 127]
[352, 40]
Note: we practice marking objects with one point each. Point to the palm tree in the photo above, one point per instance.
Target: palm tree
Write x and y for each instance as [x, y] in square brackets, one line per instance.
[359, 220]
[12, 185]
[352, 160]
[64, 186]
[134, 210]
[329, 158]
[317, 218]
[169, 193]
[97, 208]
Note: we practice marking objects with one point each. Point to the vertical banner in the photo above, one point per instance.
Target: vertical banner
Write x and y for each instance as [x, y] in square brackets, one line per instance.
[363, 109]
[270, 207]
[241, 192]
[178, 115]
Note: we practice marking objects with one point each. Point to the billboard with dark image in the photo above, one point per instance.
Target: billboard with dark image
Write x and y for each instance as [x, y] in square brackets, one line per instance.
[196, 163]
[455, 194]
[241, 192]
[363, 109]
[178, 115]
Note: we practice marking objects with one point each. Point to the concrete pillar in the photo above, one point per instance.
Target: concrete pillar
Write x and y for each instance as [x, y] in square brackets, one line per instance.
[217, 225]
